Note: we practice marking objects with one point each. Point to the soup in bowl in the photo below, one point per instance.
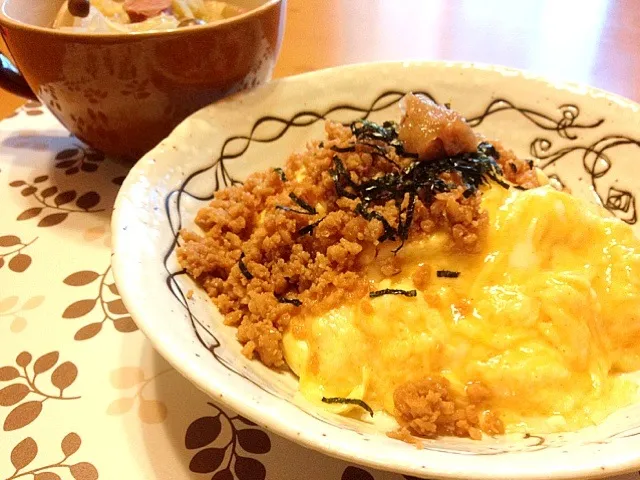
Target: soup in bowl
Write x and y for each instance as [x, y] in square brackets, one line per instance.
[123, 92]
[123, 16]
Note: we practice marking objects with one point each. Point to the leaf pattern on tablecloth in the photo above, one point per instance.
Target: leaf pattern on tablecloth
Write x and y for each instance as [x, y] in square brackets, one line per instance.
[26, 451]
[220, 439]
[150, 411]
[12, 308]
[78, 158]
[22, 385]
[33, 108]
[53, 206]
[355, 473]
[107, 299]
[11, 253]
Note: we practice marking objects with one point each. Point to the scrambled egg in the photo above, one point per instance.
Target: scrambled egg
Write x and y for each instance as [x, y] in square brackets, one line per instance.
[546, 316]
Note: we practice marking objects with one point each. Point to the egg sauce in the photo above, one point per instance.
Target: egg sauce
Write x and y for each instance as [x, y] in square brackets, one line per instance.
[546, 316]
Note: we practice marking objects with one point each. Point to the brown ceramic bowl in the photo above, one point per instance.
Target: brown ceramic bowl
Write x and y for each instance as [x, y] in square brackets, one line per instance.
[123, 93]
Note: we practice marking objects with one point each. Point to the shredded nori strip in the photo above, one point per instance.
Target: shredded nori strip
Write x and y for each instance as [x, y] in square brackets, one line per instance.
[243, 268]
[387, 132]
[530, 162]
[293, 210]
[468, 193]
[487, 149]
[308, 230]
[349, 401]
[514, 169]
[342, 179]
[378, 150]
[392, 291]
[347, 149]
[389, 232]
[306, 208]
[293, 301]
[302, 204]
[447, 274]
[280, 173]
[503, 184]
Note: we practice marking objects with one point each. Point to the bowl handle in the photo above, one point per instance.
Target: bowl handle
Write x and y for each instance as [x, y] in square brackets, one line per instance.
[12, 80]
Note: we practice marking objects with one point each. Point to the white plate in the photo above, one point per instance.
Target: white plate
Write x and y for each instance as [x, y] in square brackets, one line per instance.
[585, 136]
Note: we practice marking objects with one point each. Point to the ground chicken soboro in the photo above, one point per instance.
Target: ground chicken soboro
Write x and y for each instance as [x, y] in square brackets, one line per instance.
[298, 240]
[427, 408]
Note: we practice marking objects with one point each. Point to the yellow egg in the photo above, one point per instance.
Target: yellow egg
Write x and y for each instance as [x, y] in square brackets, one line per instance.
[546, 316]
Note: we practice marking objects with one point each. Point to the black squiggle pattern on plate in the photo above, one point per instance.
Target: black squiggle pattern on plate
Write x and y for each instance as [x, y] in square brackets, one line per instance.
[568, 115]
[617, 199]
[597, 163]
